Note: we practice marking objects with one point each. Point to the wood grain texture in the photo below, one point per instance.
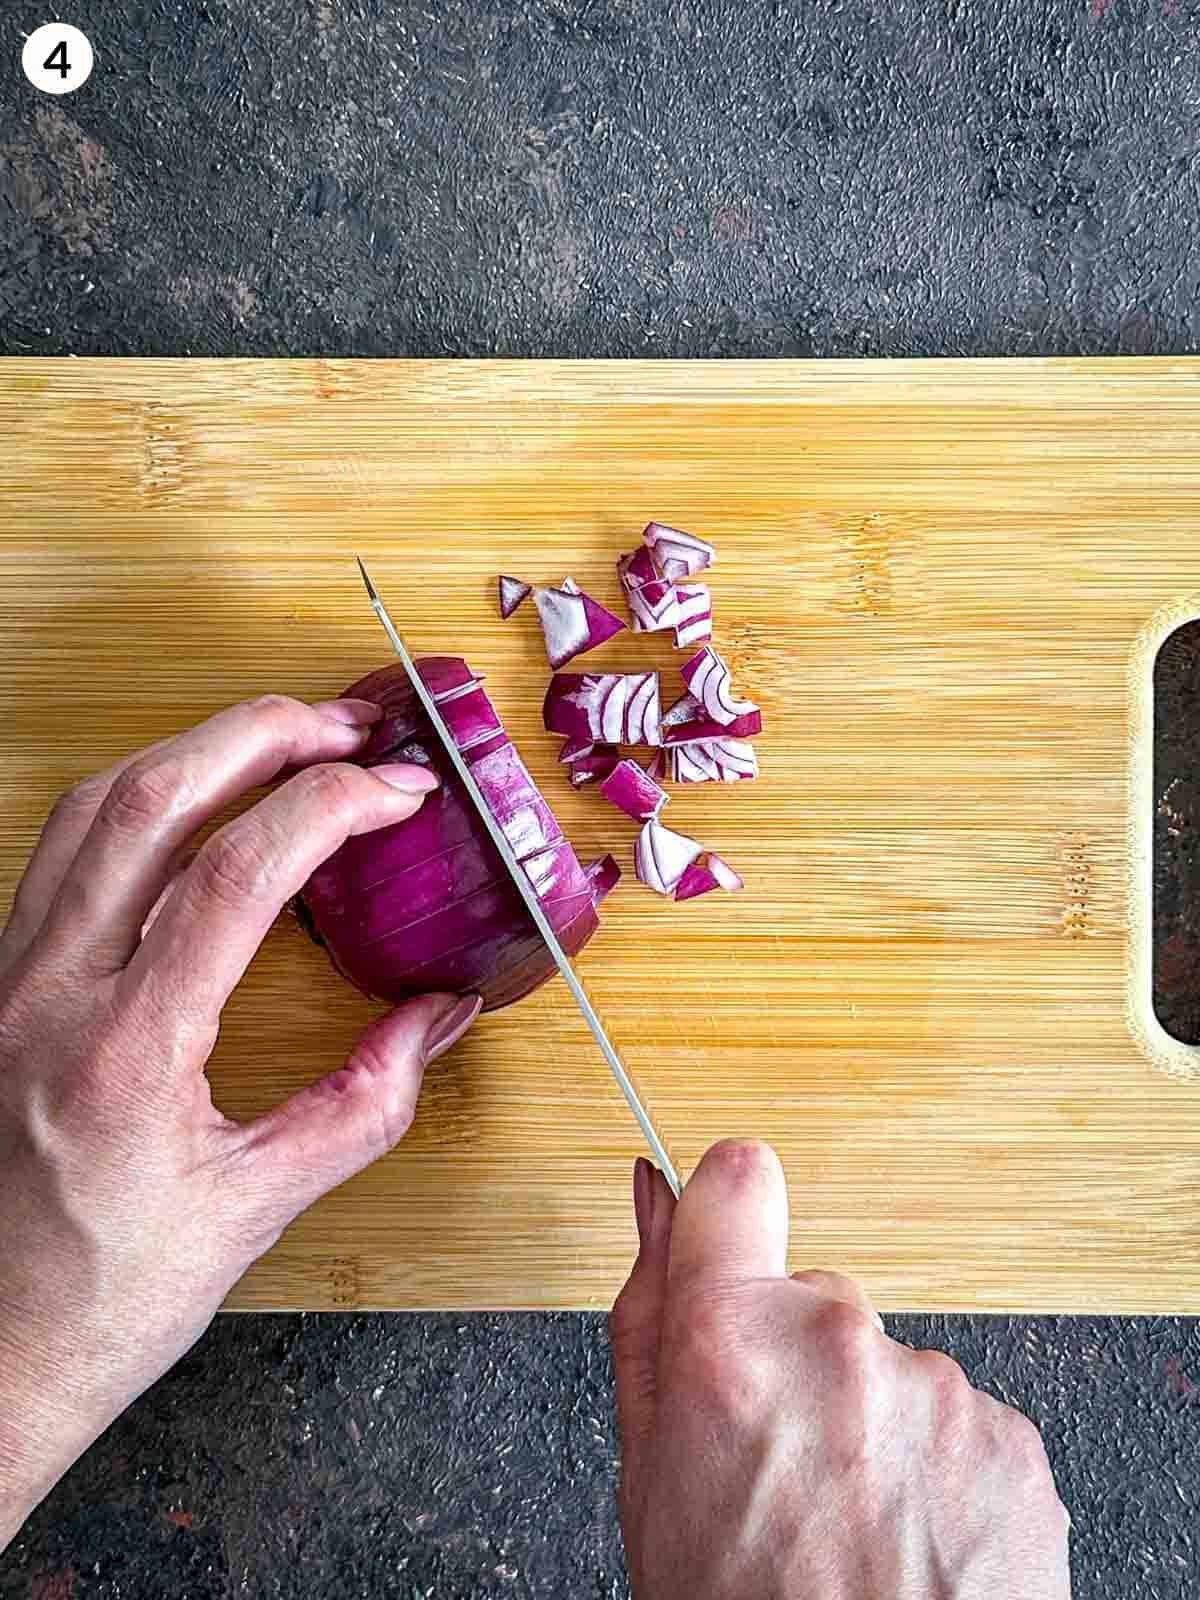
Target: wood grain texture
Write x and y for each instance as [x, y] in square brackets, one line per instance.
[944, 582]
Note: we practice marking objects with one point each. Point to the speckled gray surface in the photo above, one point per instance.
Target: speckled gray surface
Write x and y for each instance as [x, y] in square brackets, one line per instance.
[587, 177]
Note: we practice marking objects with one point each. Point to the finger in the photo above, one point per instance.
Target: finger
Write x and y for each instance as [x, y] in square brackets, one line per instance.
[337, 1126]
[63, 832]
[205, 936]
[636, 1323]
[159, 801]
[732, 1221]
[833, 1286]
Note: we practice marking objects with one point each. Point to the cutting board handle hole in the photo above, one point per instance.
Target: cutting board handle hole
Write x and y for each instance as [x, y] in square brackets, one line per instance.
[1175, 835]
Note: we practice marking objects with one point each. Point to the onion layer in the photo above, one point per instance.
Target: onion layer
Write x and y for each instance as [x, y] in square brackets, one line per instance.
[427, 904]
[573, 622]
[705, 875]
[661, 857]
[606, 707]
[713, 761]
[512, 592]
[693, 615]
[677, 555]
[708, 677]
[633, 791]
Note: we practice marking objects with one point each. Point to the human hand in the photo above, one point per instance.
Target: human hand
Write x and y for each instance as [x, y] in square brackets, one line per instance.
[129, 1206]
[777, 1444]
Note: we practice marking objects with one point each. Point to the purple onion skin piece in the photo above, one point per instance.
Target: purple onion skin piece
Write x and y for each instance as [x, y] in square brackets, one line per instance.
[427, 904]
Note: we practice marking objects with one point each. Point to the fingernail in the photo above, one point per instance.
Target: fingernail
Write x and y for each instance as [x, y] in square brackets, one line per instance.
[404, 775]
[449, 1028]
[643, 1198]
[357, 713]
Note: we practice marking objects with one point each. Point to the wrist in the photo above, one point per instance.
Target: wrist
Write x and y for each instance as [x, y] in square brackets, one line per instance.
[46, 1424]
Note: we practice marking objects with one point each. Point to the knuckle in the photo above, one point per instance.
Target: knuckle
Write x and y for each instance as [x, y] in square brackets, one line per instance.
[143, 793]
[235, 866]
[850, 1337]
[329, 787]
[1024, 1443]
[83, 797]
[274, 707]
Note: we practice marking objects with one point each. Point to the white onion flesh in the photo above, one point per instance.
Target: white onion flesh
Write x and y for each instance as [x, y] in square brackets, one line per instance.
[678, 555]
[512, 592]
[693, 615]
[708, 677]
[662, 857]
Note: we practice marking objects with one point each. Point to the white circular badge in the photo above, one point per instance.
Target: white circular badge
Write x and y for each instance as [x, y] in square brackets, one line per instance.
[57, 58]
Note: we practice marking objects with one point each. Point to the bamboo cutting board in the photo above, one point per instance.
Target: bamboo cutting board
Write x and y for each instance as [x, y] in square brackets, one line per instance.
[943, 581]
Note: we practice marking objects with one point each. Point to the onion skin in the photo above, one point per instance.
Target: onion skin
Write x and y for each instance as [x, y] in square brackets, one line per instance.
[426, 904]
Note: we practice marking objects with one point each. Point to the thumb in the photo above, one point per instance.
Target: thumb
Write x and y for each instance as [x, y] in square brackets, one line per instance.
[340, 1124]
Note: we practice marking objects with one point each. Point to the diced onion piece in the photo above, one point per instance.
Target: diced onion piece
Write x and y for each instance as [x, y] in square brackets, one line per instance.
[713, 761]
[660, 767]
[631, 789]
[684, 732]
[637, 568]
[606, 707]
[693, 615]
[512, 592]
[705, 875]
[662, 857]
[604, 875]
[707, 676]
[724, 873]
[574, 748]
[678, 555]
[651, 599]
[573, 622]
[686, 709]
[597, 764]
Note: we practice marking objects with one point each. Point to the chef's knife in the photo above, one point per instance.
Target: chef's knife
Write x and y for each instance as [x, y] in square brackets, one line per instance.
[525, 889]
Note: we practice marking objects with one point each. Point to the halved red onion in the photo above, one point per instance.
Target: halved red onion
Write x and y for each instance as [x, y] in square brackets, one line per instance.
[608, 707]
[703, 727]
[713, 761]
[708, 677]
[598, 763]
[427, 904]
[605, 874]
[573, 622]
[512, 592]
[651, 600]
[693, 614]
[677, 554]
[631, 789]
[705, 875]
[662, 857]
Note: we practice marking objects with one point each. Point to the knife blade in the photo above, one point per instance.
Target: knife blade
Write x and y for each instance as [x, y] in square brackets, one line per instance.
[525, 889]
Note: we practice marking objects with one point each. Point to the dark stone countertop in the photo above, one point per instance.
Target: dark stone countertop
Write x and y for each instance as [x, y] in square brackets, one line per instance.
[585, 178]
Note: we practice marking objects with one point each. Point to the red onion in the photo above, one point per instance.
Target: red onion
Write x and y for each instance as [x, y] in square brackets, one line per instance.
[693, 615]
[707, 676]
[651, 599]
[633, 791]
[703, 876]
[573, 749]
[703, 727]
[605, 874]
[713, 761]
[660, 767]
[512, 592]
[662, 857]
[608, 707]
[573, 622]
[598, 763]
[427, 904]
[677, 555]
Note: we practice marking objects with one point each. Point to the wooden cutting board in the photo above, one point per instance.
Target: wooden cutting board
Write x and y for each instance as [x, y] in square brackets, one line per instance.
[943, 581]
